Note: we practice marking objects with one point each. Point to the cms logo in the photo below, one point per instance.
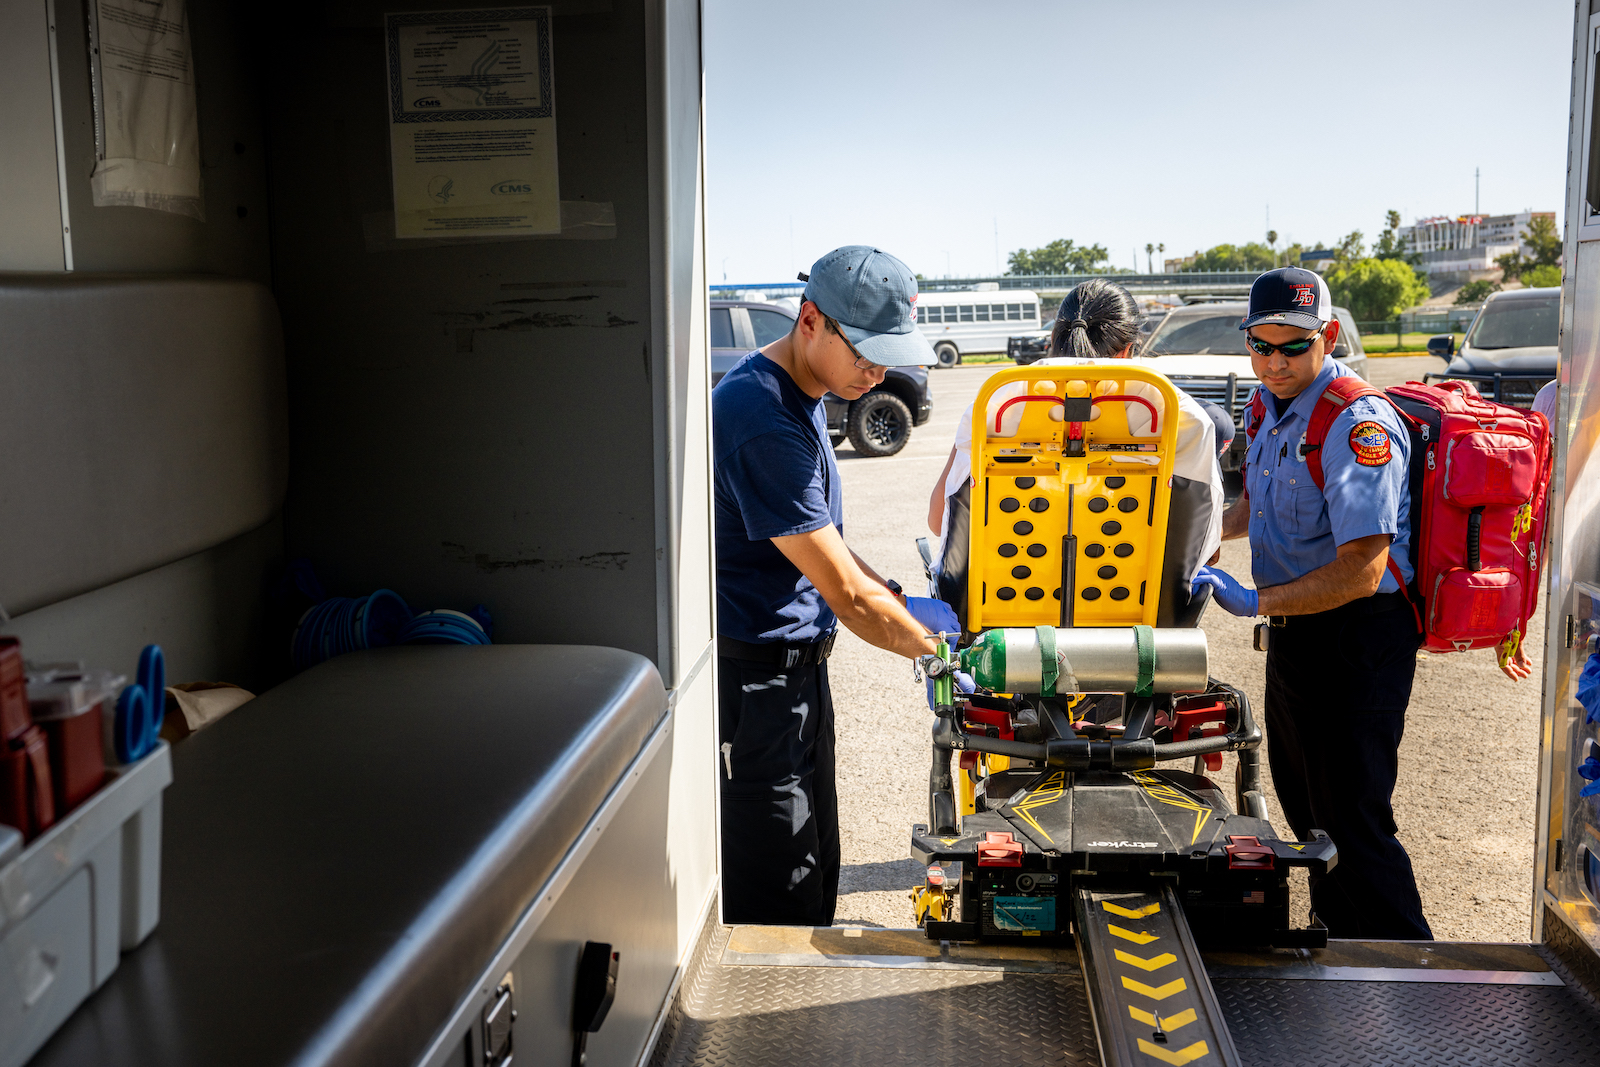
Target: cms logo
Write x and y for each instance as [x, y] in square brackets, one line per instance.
[427, 101]
[512, 188]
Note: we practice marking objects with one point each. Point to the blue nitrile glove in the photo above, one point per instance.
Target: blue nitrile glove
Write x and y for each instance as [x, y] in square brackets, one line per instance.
[964, 684]
[935, 615]
[1589, 688]
[1590, 769]
[1225, 590]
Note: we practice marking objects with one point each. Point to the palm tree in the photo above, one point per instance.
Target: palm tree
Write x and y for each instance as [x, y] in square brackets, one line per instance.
[1162, 249]
[1149, 267]
[1272, 243]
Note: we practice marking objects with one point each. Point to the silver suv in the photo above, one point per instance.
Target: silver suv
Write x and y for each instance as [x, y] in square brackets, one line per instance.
[1201, 348]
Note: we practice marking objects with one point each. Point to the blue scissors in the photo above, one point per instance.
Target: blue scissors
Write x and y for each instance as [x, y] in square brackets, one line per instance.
[141, 708]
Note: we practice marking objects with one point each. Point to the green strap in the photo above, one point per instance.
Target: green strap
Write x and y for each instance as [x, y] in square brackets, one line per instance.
[1049, 666]
[1144, 639]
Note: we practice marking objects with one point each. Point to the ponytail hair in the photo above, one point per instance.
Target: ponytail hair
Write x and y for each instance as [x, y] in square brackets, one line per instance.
[1097, 320]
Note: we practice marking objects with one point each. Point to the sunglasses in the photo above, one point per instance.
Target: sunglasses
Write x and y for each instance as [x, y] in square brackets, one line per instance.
[1291, 348]
[862, 362]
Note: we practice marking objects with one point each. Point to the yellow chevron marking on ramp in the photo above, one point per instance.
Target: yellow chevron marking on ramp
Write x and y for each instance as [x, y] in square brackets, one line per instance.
[1176, 1057]
[1136, 936]
[1160, 992]
[1130, 913]
[1170, 1023]
[1154, 963]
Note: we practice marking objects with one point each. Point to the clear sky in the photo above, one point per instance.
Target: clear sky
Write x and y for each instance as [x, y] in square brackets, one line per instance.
[924, 127]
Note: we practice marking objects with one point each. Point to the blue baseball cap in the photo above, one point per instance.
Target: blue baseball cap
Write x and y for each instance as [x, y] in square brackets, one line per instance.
[873, 298]
[1289, 296]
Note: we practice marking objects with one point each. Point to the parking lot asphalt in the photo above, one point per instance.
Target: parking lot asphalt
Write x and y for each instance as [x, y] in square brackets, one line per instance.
[1465, 800]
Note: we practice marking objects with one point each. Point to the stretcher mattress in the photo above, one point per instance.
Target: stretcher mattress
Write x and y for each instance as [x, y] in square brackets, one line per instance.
[344, 854]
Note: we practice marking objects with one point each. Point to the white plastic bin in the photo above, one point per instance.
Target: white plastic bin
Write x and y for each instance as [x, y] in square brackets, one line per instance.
[74, 900]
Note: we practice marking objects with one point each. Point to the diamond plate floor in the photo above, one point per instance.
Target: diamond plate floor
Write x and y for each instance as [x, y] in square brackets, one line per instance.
[743, 1016]
[837, 1014]
[1378, 1024]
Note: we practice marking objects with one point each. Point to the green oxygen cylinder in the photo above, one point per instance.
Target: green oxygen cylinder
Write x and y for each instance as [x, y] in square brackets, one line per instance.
[985, 660]
[1050, 660]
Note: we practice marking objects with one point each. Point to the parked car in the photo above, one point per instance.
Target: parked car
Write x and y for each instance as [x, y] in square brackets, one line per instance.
[878, 424]
[1029, 346]
[1510, 350]
[1202, 350]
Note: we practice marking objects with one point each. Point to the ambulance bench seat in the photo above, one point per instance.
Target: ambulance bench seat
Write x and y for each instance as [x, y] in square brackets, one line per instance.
[345, 855]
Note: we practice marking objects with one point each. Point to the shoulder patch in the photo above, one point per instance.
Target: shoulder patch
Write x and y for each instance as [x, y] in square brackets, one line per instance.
[1369, 442]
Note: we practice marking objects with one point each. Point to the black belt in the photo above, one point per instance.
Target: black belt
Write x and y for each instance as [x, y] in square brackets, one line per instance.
[776, 654]
[1376, 604]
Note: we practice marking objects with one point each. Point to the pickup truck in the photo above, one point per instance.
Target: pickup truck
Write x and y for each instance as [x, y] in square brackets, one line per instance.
[1202, 349]
[878, 424]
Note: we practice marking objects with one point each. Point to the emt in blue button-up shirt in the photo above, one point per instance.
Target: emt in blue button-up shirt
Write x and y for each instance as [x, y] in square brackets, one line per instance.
[1296, 528]
[1342, 644]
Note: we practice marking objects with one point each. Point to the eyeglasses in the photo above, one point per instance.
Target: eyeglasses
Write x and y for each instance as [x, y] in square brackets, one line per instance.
[862, 362]
[1290, 348]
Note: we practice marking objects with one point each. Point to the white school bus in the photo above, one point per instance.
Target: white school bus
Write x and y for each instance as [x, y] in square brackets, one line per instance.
[969, 321]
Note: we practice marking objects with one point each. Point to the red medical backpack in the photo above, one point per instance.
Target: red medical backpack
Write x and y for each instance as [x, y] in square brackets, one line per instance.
[1479, 477]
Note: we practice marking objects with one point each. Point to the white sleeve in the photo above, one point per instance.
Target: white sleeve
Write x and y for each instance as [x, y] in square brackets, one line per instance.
[1197, 461]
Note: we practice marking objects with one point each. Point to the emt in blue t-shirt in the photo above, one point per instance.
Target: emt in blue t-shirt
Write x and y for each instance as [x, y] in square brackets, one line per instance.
[1342, 644]
[785, 578]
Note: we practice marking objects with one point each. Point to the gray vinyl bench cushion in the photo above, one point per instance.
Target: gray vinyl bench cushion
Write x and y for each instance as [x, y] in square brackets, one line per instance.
[344, 854]
[142, 419]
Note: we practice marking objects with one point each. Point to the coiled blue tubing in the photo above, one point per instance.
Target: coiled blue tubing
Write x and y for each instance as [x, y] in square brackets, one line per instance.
[347, 624]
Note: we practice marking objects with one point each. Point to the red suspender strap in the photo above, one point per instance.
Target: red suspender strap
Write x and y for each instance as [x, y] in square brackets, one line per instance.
[1328, 407]
[1254, 413]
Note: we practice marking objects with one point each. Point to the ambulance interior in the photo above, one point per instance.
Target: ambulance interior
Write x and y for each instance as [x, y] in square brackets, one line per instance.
[374, 856]
[441, 854]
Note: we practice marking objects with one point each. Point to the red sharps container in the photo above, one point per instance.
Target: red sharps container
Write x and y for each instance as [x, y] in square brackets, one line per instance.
[67, 702]
[27, 797]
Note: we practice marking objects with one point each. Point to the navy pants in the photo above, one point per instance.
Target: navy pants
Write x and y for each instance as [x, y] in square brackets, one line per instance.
[780, 811]
[1337, 688]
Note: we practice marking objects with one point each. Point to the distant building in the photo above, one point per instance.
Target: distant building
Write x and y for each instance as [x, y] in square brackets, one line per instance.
[1173, 266]
[1465, 247]
[1318, 259]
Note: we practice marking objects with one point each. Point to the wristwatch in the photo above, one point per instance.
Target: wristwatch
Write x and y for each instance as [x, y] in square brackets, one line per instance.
[893, 587]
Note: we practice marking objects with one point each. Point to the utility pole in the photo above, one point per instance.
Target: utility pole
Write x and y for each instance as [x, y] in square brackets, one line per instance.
[1475, 187]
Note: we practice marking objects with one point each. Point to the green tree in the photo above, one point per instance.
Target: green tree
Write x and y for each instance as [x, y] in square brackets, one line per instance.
[1350, 251]
[1512, 264]
[1390, 245]
[1252, 256]
[1544, 276]
[1543, 241]
[1475, 292]
[1062, 256]
[1375, 289]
